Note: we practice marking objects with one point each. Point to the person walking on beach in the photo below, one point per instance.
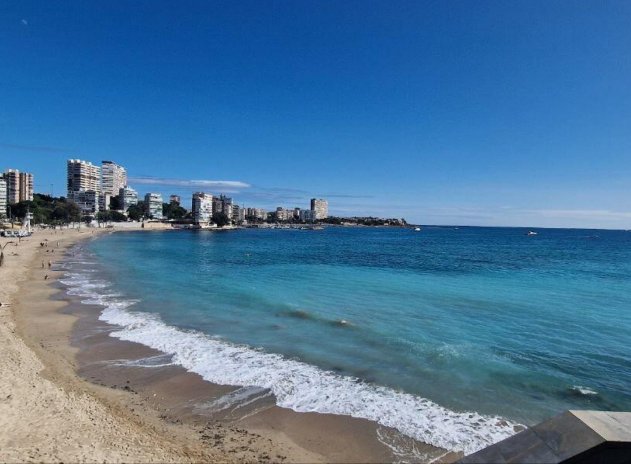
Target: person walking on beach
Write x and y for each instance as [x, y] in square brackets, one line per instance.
[49, 264]
[42, 264]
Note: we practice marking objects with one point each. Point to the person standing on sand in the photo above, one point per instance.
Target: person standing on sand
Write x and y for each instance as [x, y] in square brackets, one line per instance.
[49, 264]
[42, 264]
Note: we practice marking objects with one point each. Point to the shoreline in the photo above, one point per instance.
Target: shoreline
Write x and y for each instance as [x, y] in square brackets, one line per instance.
[77, 354]
[45, 413]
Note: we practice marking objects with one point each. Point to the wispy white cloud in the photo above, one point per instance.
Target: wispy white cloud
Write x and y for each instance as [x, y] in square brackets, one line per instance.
[233, 185]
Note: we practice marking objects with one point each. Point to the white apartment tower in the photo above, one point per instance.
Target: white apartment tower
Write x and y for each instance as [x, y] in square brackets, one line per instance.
[113, 178]
[153, 202]
[12, 178]
[283, 215]
[3, 197]
[320, 208]
[84, 185]
[202, 208]
[87, 200]
[128, 197]
[26, 186]
[19, 186]
[83, 176]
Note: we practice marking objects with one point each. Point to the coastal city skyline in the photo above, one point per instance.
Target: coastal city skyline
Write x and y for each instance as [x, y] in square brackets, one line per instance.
[107, 179]
[98, 190]
[516, 118]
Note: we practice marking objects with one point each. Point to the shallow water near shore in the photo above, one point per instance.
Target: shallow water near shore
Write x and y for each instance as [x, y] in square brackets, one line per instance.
[451, 336]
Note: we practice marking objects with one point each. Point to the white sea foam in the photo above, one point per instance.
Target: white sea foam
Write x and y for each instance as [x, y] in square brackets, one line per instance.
[297, 385]
[584, 390]
[160, 360]
[239, 398]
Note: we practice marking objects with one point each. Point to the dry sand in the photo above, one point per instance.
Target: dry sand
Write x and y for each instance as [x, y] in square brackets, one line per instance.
[40, 419]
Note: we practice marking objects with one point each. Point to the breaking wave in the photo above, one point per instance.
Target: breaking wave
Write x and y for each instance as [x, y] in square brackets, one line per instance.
[296, 385]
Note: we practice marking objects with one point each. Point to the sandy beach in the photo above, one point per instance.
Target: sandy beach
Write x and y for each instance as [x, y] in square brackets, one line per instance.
[58, 403]
[44, 414]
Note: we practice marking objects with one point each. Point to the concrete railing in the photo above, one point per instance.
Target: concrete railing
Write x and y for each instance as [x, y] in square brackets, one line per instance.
[574, 437]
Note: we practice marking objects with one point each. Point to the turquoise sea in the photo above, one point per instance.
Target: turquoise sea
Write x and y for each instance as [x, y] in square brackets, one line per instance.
[451, 335]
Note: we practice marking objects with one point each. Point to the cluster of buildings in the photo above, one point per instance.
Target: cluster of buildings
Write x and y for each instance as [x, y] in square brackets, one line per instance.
[99, 188]
[206, 205]
[15, 186]
[93, 187]
[319, 209]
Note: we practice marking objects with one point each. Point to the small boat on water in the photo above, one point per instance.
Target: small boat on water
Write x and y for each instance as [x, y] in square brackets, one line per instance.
[417, 229]
[531, 232]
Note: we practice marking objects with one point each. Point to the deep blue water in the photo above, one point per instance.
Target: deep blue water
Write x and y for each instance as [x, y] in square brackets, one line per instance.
[474, 319]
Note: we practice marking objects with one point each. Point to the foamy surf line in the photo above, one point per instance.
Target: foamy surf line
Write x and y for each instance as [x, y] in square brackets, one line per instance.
[296, 385]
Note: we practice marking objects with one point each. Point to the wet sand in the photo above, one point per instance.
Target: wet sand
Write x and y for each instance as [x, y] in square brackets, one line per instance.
[196, 419]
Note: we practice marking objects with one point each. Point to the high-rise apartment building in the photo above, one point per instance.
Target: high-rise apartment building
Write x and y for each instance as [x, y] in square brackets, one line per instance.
[84, 185]
[12, 178]
[19, 186]
[236, 212]
[153, 205]
[320, 207]
[87, 201]
[306, 215]
[223, 204]
[26, 186]
[128, 197]
[242, 213]
[255, 214]
[283, 214]
[83, 176]
[202, 208]
[3, 198]
[113, 178]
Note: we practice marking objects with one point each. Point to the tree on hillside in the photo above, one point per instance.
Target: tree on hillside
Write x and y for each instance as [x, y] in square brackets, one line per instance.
[136, 212]
[221, 219]
[66, 212]
[47, 210]
[173, 211]
[111, 216]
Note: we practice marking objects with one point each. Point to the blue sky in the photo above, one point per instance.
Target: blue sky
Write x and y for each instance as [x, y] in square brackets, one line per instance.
[445, 112]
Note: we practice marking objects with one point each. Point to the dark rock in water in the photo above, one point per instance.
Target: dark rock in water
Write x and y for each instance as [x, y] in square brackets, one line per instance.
[298, 314]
